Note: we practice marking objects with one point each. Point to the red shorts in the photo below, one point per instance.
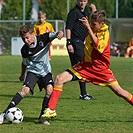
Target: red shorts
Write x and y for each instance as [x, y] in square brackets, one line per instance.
[88, 73]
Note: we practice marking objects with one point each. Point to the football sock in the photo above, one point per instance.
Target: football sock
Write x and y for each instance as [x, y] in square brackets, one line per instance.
[15, 101]
[82, 88]
[130, 99]
[44, 104]
[54, 97]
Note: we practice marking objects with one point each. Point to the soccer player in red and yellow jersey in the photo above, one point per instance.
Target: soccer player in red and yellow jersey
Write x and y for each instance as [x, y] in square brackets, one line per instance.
[130, 48]
[42, 26]
[94, 66]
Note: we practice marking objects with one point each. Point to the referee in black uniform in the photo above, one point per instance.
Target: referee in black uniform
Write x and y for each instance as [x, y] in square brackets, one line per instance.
[76, 33]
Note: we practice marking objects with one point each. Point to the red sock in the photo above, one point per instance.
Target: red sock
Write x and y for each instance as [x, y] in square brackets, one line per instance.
[54, 97]
[131, 99]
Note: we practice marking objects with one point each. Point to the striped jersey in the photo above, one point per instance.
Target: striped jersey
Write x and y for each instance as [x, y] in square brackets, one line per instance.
[36, 57]
[98, 55]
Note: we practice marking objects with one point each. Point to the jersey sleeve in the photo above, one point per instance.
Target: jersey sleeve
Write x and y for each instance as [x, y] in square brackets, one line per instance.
[24, 51]
[71, 18]
[47, 37]
[25, 61]
[52, 35]
[102, 41]
[35, 33]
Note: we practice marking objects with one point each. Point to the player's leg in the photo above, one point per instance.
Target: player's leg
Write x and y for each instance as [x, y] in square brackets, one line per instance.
[58, 86]
[77, 57]
[131, 51]
[122, 93]
[46, 99]
[15, 101]
[28, 86]
[128, 52]
[47, 83]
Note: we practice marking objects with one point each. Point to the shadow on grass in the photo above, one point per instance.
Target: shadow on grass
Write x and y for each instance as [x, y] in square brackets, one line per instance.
[26, 120]
[85, 121]
[35, 120]
[3, 81]
[30, 119]
[34, 96]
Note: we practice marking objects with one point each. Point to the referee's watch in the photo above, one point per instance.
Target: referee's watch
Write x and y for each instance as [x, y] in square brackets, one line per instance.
[69, 42]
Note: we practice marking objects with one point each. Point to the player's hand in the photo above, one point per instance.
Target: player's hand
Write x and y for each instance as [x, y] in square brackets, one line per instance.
[70, 49]
[93, 7]
[60, 34]
[85, 22]
[21, 78]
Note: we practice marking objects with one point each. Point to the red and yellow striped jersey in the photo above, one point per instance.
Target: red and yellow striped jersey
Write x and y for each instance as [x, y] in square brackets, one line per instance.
[40, 28]
[98, 55]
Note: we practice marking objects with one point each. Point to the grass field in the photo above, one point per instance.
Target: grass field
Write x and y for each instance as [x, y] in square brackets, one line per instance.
[107, 114]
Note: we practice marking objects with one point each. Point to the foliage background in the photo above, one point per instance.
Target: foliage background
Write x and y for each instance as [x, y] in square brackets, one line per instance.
[56, 9]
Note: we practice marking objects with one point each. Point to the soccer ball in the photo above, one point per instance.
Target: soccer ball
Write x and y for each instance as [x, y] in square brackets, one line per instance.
[14, 115]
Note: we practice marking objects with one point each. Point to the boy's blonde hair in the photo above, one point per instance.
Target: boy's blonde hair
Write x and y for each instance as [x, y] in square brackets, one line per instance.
[98, 16]
[40, 13]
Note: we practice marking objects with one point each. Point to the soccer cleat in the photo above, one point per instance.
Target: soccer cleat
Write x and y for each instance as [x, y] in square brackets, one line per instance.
[41, 121]
[2, 117]
[86, 97]
[48, 113]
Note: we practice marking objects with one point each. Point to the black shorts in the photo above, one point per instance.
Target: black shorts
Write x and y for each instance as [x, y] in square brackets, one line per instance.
[32, 79]
[78, 46]
[74, 76]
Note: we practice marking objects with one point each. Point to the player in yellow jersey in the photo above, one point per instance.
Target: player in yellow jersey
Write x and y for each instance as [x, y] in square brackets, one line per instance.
[42, 26]
[95, 65]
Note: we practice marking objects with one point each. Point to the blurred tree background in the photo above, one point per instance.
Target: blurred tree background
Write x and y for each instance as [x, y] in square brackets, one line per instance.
[55, 9]
[13, 10]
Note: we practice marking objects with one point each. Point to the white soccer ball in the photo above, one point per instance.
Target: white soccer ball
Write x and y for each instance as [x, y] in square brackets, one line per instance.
[14, 115]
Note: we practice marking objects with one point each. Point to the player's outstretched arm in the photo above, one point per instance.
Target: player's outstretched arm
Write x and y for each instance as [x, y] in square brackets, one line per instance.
[93, 7]
[53, 35]
[23, 69]
[60, 34]
[86, 23]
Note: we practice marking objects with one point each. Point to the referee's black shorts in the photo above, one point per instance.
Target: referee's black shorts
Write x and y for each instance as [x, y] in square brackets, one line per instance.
[78, 46]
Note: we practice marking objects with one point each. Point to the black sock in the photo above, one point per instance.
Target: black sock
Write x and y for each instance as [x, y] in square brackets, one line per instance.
[15, 101]
[44, 104]
[82, 88]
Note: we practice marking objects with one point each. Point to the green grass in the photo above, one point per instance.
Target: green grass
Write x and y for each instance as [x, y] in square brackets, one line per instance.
[107, 114]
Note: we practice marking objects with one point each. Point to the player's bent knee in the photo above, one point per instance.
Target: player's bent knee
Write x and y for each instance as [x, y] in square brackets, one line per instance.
[25, 91]
[58, 79]
[49, 89]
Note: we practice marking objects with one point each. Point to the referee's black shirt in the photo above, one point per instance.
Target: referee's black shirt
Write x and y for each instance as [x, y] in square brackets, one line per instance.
[78, 30]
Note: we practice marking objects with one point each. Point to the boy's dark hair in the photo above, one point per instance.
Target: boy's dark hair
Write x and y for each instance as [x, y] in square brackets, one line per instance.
[98, 16]
[25, 29]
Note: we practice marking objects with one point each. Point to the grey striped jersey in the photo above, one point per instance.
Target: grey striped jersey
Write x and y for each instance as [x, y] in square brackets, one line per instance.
[36, 57]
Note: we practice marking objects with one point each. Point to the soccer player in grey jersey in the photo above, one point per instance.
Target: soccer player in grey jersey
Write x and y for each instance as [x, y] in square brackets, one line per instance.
[35, 63]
